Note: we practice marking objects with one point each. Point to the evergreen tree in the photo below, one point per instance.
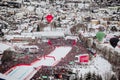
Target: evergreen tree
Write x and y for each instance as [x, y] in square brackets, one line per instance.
[38, 28]
[88, 76]
[81, 78]
[51, 1]
[59, 19]
[54, 24]
[7, 56]
[99, 77]
[118, 75]
[1, 33]
[113, 77]
[94, 77]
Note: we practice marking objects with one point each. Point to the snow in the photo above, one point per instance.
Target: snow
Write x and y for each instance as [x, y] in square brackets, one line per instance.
[44, 62]
[24, 35]
[17, 31]
[97, 26]
[72, 37]
[4, 47]
[19, 44]
[43, 4]
[117, 49]
[47, 28]
[58, 53]
[98, 65]
[49, 34]
[30, 29]
[39, 11]
[30, 8]
[87, 34]
[21, 72]
[20, 15]
[5, 30]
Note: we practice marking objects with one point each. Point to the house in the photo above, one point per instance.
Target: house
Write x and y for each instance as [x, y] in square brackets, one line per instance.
[30, 48]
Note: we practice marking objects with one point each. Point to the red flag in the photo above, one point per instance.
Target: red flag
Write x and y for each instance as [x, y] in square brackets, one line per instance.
[49, 42]
[60, 76]
[74, 42]
[49, 18]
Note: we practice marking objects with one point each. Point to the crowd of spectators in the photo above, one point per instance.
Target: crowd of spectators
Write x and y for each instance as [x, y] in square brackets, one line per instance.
[55, 71]
[26, 58]
[44, 49]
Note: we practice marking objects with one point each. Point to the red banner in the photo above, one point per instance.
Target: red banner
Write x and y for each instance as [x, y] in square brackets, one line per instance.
[84, 58]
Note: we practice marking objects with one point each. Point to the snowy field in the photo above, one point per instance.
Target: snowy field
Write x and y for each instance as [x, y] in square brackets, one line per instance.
[21, 72]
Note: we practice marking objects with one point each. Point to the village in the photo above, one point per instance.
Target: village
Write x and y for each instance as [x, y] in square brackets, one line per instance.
[59, 40]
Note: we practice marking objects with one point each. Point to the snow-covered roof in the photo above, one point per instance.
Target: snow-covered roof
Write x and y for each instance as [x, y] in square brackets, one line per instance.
[42, 3]
[29, 46]
[87, 34]
[72, 37]
[27, 34]
[20, 15]
[9, 37]
[49, 34]
[3, 47]
[110, 47]
[31, 8]
[97, 26]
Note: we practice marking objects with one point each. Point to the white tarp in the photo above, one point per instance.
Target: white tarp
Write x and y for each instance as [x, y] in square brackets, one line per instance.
[49, 34]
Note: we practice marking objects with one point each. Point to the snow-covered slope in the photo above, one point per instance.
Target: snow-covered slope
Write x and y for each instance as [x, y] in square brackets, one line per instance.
[97, 65]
